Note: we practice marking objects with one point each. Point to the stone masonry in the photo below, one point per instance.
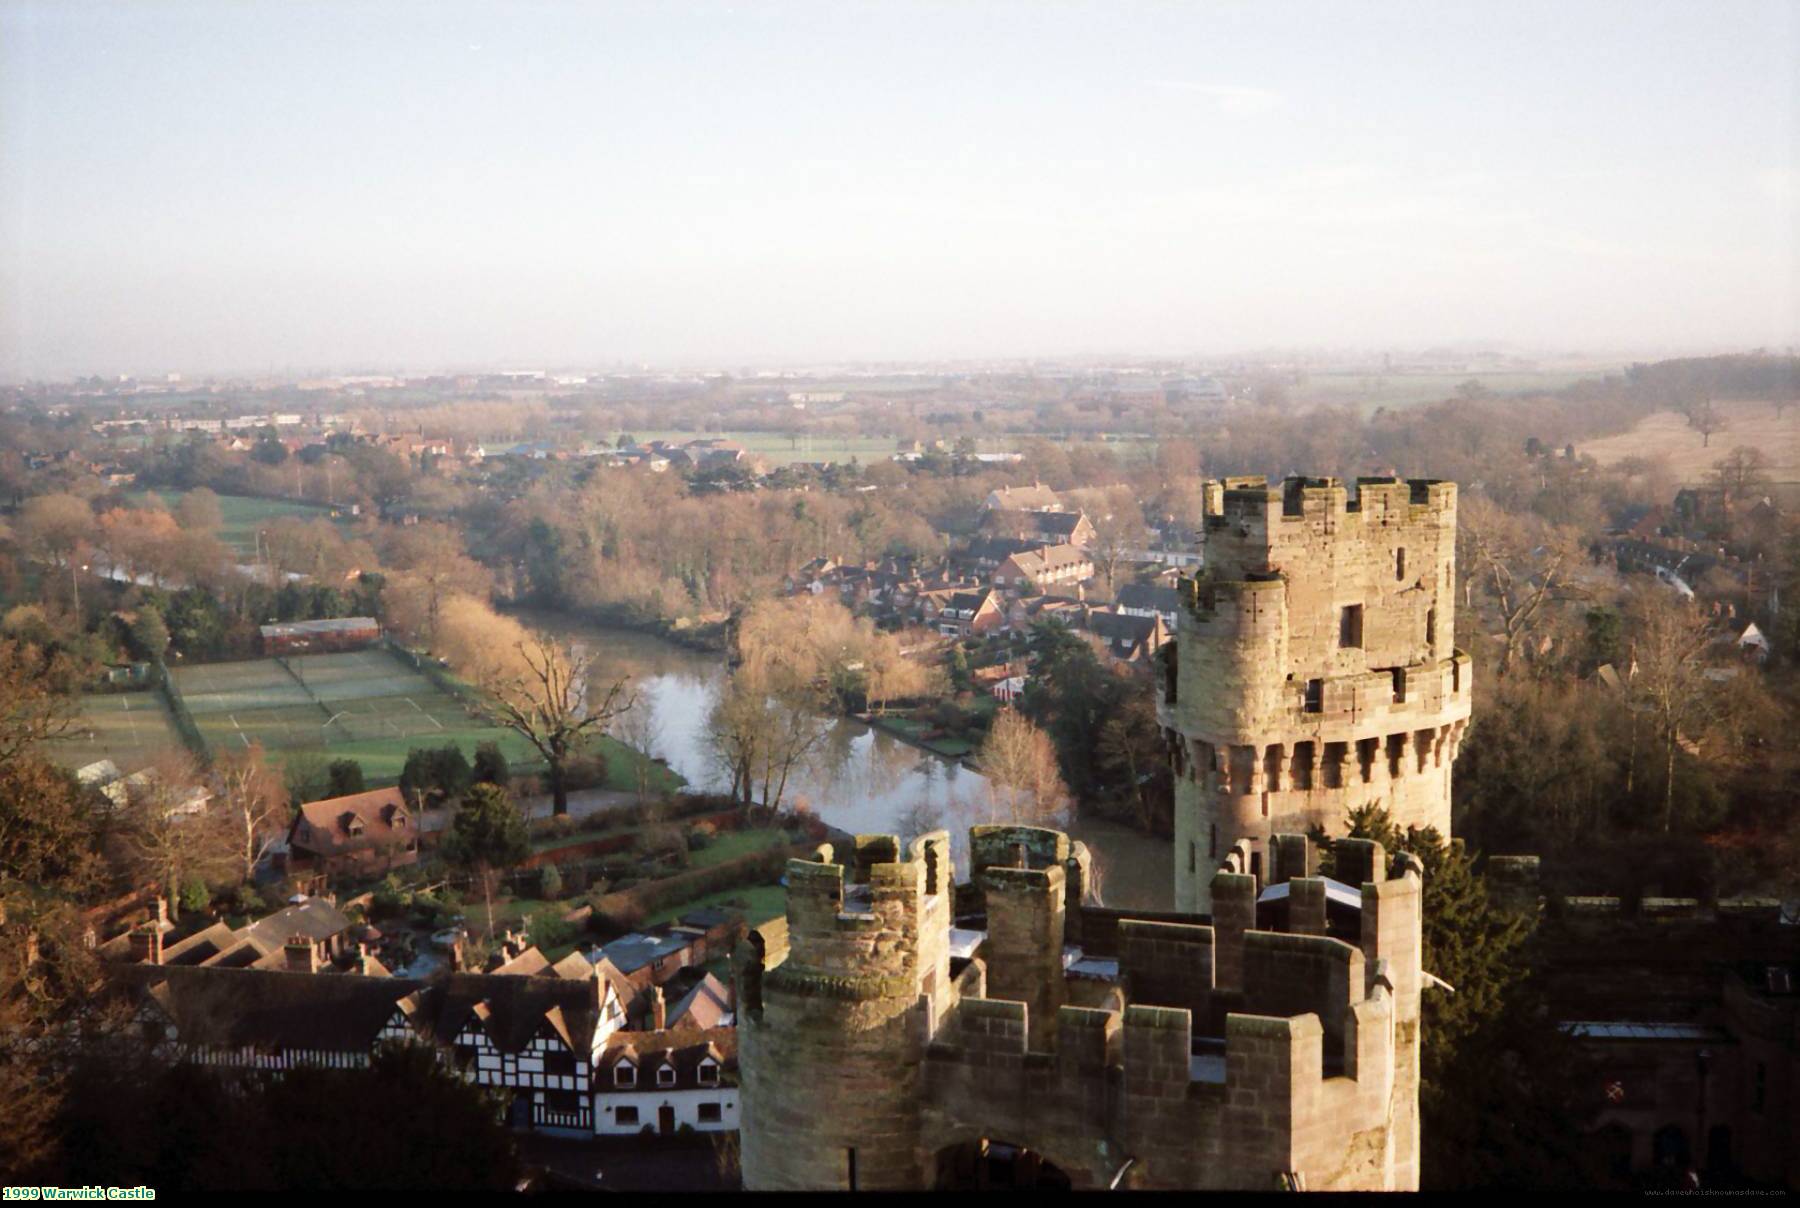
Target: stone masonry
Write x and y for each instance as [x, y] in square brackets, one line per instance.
[1313, 669]
[1162, 1054]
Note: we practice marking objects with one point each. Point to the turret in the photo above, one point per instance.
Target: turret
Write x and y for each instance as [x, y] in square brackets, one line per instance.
[1313, 669]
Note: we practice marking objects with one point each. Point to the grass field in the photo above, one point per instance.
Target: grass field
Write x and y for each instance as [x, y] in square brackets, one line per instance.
[1666, 434]
[125, 727]
[1369, 391]
[244, 514]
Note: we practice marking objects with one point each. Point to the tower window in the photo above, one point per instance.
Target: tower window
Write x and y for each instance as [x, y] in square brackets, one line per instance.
[1315, 696]
[1431, 628]
[1350, 627]
[1400, 565]
[1398, 676]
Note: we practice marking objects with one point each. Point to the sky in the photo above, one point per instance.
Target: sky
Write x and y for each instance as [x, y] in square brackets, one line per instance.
[252, 186]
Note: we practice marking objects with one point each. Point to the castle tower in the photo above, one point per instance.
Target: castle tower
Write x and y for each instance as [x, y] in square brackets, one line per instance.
[831, 1031]
[1314, 668]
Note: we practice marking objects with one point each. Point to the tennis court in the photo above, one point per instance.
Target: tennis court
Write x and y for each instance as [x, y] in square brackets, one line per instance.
[319, 700]
[128, 728]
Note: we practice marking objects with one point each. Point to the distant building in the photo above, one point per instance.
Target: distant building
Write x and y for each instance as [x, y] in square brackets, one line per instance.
[306, 637]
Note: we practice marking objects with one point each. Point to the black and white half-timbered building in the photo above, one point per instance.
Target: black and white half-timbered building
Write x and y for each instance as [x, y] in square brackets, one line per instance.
[539, 1038]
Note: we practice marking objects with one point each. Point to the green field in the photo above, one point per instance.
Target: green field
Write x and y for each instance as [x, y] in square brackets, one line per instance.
[364, 705]
[244, 515]
[1369, 391]
[128, 728]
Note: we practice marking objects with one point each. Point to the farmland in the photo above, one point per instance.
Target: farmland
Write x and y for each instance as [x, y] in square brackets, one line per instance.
[1666, 434]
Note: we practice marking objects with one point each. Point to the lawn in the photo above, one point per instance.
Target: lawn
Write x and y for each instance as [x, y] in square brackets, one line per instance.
[245, 514]
[760, 903]
[729, 845]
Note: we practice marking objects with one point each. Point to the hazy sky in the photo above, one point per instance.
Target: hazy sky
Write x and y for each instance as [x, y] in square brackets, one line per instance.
[255, 186]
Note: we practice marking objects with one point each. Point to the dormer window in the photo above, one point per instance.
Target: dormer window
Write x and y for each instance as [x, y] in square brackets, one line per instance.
[665, 1075]
[709, 1072]
[624, 1074]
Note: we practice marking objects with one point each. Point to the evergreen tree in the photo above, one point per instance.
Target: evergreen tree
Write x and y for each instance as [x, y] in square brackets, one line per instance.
[1502, 1087]
[488, 830]
[345, 776]
[491, 765]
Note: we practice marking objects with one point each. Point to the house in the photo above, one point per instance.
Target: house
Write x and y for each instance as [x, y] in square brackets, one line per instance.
[1042, 528]
[1044, 568]
[983, 555]
[309, 936]
[661, 1081]
[1035, 498]
[1149, 599]
[303, 637]
[362, 833]
[145, 787]
[536, 1037]
[1130, 639]
[960, 613]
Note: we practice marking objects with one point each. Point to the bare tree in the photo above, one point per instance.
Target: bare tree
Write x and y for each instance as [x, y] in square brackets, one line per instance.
[1705, 418]
[1670, 652]
[171, 832]
[253, 798]
[638, 728]
[1024, 782]
[547, 695]
[35, 702]
[1520, 564]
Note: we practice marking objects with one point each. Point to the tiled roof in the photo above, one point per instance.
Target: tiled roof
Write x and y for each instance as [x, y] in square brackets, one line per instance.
[328, 822]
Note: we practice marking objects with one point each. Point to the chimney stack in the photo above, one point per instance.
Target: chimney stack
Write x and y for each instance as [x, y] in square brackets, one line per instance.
[146, 944]
[659, 1010]
[302, 955]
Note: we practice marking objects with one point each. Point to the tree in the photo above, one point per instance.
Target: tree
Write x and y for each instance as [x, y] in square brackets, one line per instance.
[432, 775]
[637, 729]
[198, 511]
[1670, 646]
[165, 839]
[149, 634]
[344, 777]
[1742, 474]
[535, 685]
[1501, 1086]
[487, 836]
[251, 795]
[1521, 564]
[36, 698]
[1705, 418]
[491, 766]
[1135, 763]
[1020, 764]
[488, 830]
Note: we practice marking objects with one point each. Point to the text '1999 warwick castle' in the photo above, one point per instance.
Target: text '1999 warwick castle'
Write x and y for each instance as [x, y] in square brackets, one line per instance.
[898, 1024]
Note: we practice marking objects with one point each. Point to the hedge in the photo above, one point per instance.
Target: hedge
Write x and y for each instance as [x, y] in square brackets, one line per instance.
[757, 868]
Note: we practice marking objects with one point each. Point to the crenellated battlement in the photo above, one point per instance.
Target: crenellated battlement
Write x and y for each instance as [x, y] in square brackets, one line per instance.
[1172, 1040]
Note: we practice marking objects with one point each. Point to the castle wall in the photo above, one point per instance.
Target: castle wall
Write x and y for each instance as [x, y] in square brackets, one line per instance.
[1220, 1056]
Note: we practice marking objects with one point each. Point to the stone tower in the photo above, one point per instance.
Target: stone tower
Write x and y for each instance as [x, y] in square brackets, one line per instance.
[1314, 668]
[831, 1030]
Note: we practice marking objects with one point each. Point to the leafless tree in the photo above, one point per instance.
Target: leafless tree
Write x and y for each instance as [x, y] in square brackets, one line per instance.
[546, 693]
[1521, 566]
[252, 796]
[1024, 782]
[1671, 649]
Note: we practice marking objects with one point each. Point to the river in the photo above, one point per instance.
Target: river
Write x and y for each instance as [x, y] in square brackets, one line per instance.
[861, 780]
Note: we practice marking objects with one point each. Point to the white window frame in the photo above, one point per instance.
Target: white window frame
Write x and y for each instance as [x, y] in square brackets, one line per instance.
[662, 1070]
[629, 1069]
[709, 1072]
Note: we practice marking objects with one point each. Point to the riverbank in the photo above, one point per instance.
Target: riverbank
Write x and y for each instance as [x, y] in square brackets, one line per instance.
[702, 637]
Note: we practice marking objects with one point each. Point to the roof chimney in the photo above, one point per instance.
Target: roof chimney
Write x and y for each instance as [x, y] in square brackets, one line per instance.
[146, 944]
[659, 1010]
[302, 955]
[363, 959]
[162, 914]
